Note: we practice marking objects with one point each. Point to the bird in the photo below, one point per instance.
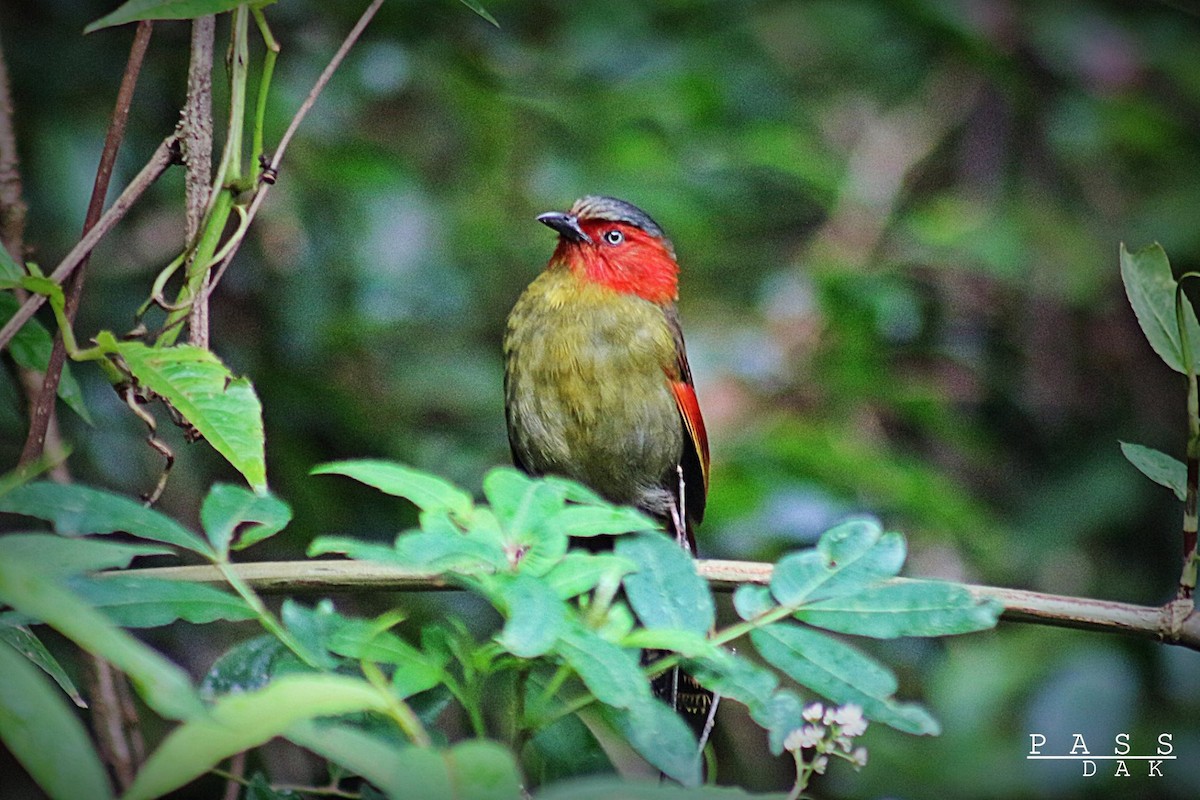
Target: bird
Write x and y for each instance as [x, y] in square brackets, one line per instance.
[597, 385]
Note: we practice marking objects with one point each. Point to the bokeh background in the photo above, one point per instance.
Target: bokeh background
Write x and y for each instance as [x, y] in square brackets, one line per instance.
[898, 224]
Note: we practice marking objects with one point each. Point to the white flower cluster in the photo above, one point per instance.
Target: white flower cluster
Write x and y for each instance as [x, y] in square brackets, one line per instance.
[830, 732]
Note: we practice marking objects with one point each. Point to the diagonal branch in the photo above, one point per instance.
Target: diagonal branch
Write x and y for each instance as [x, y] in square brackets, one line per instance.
[43, 410]
[1174, 623]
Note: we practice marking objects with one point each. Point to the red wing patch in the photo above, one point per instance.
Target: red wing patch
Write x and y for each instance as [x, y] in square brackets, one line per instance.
[689, 410]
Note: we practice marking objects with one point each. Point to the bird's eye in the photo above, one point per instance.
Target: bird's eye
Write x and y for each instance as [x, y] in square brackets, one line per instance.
[614, 237]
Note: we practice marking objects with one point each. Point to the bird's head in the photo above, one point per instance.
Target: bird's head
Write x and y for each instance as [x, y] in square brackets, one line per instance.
[616, 244]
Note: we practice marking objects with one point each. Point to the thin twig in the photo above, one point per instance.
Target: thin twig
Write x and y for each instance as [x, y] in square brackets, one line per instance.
[1173, 623]
[42, 412]
[272, 167]
[196, 132]
[12, 202]
[162, 158]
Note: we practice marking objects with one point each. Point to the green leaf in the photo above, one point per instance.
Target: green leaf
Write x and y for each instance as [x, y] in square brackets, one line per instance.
[449, 553]
[660, 736]
[31, 347]
[735, 677]
[847, 558]
[313, 629]
[586, 521]
[259, 788]
[609, 672]
[666, 591]
[911, 608]
[44, 735]
[524, 507]
[10, 270]
[24, 642]
[224, 409]
[135, 10]
[250, 665]
[226, 508]
[536, 617]
[480, 10]
[79, 510]
[356, 549]
[59, 556]
[427, 492]
[484, 770]
[580, 572]
[134, 601]
[1158, 467]
[387, 765]
[687, 643]
[1150, 287]
[751, 601]
[614, 788]
[360, 639]
[165, 687]
[563, 749]
[840, 673]
[781, 715]
[238, 722]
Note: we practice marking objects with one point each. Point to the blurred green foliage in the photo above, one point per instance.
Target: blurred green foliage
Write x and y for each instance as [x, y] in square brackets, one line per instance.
[898, 224]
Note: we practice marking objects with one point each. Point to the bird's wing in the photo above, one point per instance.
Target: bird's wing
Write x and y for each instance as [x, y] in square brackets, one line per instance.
[695, 452]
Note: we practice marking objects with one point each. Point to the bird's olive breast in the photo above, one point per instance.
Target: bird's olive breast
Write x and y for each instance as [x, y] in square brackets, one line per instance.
[587, 395]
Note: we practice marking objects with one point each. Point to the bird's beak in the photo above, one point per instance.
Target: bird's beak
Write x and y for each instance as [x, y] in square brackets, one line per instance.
[567, 226]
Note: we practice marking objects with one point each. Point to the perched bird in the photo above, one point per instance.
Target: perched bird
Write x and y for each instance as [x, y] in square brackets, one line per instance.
[597, 384]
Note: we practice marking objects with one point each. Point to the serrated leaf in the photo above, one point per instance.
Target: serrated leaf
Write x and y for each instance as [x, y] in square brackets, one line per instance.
[136, 10]
[847, 558]
[240, 721]
[30, 348]
[134, 601]
[911, 608]
[57, 556]
[524, 508]
[666, 591]
[79, 510]
[225, 410]
[42, 732]
[227, 508]
[1150, 287]
[164, 686]
[661, 737]
[840, 673]
[24, 642]
[610, 673]
[425, 491]
[1158, 467]
[535, 617]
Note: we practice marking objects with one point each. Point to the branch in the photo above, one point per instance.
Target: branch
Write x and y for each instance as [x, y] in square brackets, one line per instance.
[196, 138]
[1174, 623]
[43, 410]
[163, 157]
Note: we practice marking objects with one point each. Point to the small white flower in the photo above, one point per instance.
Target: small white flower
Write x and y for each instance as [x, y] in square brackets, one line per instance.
[850, 719]
[813, 712]
[820, 763]
[859, 757]
[793, 740]
[808, 736]
[844, 743]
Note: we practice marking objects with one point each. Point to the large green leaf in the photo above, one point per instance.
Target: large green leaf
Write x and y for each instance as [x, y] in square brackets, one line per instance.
[524, 508]
[135, 10]
[847, 558]
[250, 665]
[1150, 287]
[601, 520]
[535, 616]
[666, 591]
[427, 492]
[228, 509]
[237, 722]
[609, 672]
[840, 673]
[415, 671]
[391, 767]
[224, 409]
[735, 677]
[31, 347]
[134, 601]
[563, 749]
[1158, 467]
[165, 687]
[911, 608]
[44, 735]
[614, 788]
[79, 510]
[660, 736]
[59, 555]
